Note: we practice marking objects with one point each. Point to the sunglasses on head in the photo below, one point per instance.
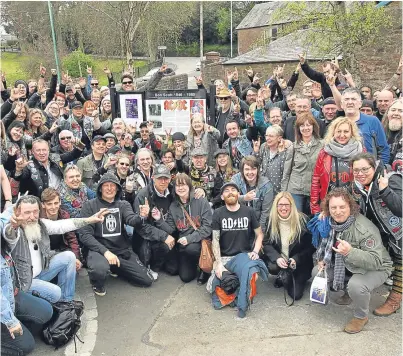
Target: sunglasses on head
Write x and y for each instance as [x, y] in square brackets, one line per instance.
[65, 138]
[94, 84]
[129, 82]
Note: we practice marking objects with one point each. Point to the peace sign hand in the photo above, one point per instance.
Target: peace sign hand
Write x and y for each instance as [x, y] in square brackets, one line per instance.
[144, 209]
[383, 180]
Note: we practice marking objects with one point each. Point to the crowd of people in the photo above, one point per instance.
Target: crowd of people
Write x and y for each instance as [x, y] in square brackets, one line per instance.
[281, 182]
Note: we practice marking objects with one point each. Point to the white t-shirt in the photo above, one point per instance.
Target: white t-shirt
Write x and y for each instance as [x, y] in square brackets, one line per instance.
[36, 259]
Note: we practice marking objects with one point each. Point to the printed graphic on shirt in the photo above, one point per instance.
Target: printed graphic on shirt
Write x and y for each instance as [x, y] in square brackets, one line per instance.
[237, 224]
[343, 180]
[112, 223]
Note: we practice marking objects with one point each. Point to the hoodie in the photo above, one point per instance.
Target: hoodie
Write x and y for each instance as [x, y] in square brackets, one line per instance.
[110, 235]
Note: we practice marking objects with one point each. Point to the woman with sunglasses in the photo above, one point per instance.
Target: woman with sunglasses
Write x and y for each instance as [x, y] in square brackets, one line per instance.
[287, 246]
[379, 194]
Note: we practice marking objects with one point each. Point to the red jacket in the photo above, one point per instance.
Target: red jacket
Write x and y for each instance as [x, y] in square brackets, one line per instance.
[321, 179]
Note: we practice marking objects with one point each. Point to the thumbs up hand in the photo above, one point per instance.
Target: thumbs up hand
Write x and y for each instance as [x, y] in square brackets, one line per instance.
[144, 209]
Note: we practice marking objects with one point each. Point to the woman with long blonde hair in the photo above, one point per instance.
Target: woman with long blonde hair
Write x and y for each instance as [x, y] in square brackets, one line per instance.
[332, 169]
[288, 245]
[35, 126]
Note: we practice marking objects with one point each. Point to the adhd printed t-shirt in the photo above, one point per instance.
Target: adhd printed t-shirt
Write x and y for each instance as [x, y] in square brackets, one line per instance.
[235, 228]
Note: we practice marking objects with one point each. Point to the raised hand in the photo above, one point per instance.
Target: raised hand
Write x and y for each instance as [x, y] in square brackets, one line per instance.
[235, 74]
[230, 76]
[250, 195]
[42, 70]
[3, 76]
[144, 209]
[331, 79]
[16, 220]
[302, 57]
[383, 181]
[19, 106]
[249, 72]
[316, 90]
[15, 94]
[259, 102]
[280, 70]
[54, 127]
[150, 126]
[168, 132]
[82, 81]
[199, 80]
[111, 161]
[65, 77]
[298, 68]
[98, 217]
[343, 247]
[178, 152]
[208, 128]
[249, 120]
[156, 214]
[256, 145]
[21, 163]
[163, 68]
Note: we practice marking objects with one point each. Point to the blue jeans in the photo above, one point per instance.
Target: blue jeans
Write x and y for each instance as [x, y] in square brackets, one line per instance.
[29, 310]
[302, 203]
[62, 265]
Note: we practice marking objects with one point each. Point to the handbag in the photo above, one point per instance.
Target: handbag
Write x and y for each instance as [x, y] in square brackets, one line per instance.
[206, 259]
[319, 288]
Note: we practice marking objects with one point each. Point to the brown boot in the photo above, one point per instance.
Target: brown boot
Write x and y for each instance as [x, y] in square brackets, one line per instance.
[392, 305]
[344, 299]
[355, 325]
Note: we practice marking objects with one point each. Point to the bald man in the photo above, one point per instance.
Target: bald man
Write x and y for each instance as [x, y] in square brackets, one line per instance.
[383, 101]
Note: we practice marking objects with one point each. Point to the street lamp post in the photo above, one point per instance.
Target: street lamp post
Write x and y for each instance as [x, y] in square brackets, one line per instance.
[54, 38]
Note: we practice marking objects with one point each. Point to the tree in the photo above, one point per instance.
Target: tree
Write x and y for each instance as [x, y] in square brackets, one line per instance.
[336, 25]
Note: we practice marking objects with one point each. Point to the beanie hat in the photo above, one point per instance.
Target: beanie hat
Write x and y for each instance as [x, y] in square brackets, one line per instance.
[178, 136]
[23, 82]
[367, 104]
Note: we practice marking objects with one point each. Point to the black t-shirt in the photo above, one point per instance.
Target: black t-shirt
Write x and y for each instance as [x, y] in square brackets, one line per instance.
[343, 169]
[221, 125]
[235, 228]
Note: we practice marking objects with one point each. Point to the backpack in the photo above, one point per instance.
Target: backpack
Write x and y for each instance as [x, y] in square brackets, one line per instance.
[64, 323]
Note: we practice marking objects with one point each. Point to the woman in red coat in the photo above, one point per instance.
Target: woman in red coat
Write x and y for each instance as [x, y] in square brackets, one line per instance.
[332, 169]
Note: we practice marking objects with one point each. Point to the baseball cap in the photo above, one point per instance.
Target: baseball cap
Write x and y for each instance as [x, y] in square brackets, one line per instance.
[76, 104]
[97, 138]
[161, 171]
[229, 184]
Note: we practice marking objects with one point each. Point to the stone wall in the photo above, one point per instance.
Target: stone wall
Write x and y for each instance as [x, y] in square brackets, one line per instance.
[178, 82]
[247, 37]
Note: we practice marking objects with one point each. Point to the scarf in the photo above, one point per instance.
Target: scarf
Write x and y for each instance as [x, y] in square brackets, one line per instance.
[72, 200]
[339, 265]
[346, 151]
[72, 125]
[319, 229]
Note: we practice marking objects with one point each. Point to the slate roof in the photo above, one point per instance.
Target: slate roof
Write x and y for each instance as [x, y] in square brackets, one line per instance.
[284, 49]
[261, 14]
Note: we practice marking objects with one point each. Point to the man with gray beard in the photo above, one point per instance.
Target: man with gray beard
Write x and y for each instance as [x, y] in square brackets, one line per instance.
[392, 124]
[35, 263]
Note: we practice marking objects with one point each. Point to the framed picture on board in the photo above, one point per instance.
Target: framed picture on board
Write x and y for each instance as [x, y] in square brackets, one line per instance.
[131, 107]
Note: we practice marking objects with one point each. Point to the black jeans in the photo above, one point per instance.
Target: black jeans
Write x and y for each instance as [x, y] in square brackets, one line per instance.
[188, 260]
[158, 256]
[32, 311]
[130, 268]
[300, 277]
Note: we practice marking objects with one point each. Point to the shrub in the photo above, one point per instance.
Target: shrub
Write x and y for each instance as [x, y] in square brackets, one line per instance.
[74, 60]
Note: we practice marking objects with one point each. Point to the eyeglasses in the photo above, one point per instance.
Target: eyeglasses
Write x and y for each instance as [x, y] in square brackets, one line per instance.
[130, 82]
[77, 88]
[226, 98]
[124, 164]
[65, 138]
[364, 170]
[94, 84]
[283, 205]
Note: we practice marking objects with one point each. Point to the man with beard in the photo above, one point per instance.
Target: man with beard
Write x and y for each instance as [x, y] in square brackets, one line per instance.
[233, 224]
[147, 139]
[107, 247]
[392, 124]
[28, 238]
[118, 128]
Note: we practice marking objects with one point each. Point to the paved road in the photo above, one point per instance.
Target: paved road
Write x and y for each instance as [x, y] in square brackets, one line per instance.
[186, 65]
[174, 319]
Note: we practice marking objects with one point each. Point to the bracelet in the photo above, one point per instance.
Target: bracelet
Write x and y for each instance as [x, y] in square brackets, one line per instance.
[10, 200]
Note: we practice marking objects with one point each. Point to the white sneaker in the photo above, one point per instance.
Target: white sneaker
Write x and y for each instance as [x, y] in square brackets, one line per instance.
[153, 274]
[389, 281]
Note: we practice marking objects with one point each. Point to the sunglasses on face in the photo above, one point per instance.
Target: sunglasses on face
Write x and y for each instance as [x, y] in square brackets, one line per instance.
[130, 82]
[226, 98]
[124, 164]
[65, 138]
[94, 84]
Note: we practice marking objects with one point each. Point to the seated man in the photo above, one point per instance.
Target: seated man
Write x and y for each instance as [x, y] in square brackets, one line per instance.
[59, 242]
[233, 224]
[107, 247]
[354, 247]
[155, 245]
[27, 237]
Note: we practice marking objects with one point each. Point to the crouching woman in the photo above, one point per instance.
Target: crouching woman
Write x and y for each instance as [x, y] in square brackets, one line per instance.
[288, 245]
[354, 247]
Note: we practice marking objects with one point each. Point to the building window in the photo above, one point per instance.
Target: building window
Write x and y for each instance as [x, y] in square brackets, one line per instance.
[273, 33]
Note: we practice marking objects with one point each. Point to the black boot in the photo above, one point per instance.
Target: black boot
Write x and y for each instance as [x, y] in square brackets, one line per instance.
[278, 283]
[203, 277]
